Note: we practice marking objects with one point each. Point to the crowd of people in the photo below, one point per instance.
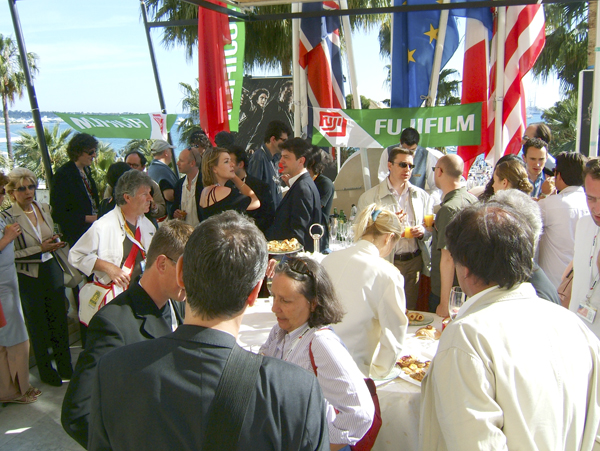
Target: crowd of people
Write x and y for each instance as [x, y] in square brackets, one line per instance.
[171, 265]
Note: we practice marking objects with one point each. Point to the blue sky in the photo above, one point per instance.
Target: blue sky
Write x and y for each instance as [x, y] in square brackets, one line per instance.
[94, 58]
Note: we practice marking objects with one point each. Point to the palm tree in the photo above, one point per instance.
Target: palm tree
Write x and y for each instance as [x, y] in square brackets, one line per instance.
[562, 120]
[141, 145]
[190, 104]
[268, 43]
[28, 154]
[12, 81]
[447, 93]
[105, 157]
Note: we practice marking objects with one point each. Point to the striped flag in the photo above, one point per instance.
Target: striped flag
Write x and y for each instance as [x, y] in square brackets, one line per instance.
[475, 75]
[320, 56]
[525, 39]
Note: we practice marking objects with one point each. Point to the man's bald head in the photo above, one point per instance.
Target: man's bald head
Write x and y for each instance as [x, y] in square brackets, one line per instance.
[452, 165]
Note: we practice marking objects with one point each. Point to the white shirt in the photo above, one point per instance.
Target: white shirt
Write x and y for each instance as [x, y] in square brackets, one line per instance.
[372, 292]
[293, 179]
[514, 372]
[585, 269]
[349, 404]
[560, 213]
[188, 201]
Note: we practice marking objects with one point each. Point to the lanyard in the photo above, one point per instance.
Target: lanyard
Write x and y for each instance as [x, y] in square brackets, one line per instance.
[294, 344]
[135, 239]
[593, 279]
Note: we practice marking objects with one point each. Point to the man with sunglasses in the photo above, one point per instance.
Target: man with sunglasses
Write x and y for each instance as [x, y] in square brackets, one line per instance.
[149, 308]
[397, 193]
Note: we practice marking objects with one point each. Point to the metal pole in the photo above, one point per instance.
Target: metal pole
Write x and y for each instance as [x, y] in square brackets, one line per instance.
[437, 57]
[596, 98]
[297, 72]
[161, 98]
[350, 54]
[501, 37]
[35, 110]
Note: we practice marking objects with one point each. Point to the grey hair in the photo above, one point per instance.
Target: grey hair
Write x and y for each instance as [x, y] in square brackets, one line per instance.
[526, 207]
[129, 183]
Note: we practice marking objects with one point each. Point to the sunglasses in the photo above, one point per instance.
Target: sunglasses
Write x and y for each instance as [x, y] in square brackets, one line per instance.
[404, 165]
[300, 267]
[90, 152]
[22, 189]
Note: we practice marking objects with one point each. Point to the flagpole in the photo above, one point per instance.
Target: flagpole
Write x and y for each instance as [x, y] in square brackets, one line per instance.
[499, 100]
[593, 150]
[350, 56]
[296, 73]
[437, 57]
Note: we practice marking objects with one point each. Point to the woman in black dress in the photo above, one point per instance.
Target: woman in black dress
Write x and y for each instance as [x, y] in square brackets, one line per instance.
[223, 189]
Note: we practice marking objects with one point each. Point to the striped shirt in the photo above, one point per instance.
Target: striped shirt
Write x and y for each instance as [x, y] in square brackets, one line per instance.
[350, 408]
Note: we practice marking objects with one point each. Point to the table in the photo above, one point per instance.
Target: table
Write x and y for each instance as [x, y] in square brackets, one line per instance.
[399, 400]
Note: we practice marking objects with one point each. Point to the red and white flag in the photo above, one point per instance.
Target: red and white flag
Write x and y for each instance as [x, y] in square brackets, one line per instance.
[525, 39]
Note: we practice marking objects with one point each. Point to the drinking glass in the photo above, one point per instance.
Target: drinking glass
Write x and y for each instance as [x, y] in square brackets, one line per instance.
[457, 299]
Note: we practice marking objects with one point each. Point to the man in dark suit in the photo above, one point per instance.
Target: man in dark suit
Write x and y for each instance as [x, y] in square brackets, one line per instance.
[263, 215]
[159, 394]
[149, 309]
[301, 205]
[188, 188]
[74, 196]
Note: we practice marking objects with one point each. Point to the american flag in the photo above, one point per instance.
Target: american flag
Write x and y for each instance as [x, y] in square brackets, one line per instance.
[320, 56]
[525, 39]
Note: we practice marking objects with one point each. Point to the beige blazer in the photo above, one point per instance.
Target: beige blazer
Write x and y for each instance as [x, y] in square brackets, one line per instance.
[27, 245]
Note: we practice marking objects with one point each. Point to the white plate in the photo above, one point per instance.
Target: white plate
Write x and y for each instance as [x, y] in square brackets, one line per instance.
[427, 319]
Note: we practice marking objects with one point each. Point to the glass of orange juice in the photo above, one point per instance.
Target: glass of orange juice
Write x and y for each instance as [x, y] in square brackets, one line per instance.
[428, 219]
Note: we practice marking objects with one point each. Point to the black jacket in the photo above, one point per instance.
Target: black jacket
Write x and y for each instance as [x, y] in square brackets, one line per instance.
[129, 318]
[178, 193]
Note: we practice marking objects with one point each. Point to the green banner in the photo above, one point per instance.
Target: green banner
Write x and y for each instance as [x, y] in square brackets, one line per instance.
[456, 125]
[130, 126]
[234, 61]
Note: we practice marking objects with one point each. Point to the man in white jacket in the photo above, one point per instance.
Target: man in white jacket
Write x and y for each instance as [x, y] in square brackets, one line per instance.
[498, 380]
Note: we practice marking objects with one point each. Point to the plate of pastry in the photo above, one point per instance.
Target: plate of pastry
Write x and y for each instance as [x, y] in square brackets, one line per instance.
[419, 318]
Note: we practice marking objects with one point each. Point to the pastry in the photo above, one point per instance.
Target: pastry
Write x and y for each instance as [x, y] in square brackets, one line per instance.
[428, 332]
[415, 316]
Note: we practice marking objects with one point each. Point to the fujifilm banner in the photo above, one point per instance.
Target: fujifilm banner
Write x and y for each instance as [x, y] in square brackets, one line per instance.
[456, 125]
[129, 126]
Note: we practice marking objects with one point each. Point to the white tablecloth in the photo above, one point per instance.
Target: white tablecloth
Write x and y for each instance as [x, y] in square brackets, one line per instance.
[399, 399]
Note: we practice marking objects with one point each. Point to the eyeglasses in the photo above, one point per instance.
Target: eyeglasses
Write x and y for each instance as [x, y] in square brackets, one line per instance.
[22, 189]
[134, 165]
[300, 267]
[404, 165]
[174, 261]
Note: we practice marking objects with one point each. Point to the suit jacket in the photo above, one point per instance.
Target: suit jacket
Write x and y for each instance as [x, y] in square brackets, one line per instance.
[130, 318]
[178, 193]
[299, 209]
[157, 395]
[27, 245]
[70, 201]
[263, 216]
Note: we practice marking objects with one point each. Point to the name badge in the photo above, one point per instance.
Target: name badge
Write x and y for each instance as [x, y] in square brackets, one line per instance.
[586, 312]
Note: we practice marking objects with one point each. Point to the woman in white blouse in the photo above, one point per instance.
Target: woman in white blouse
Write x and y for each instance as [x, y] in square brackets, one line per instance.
[372, 292]
[305, 304]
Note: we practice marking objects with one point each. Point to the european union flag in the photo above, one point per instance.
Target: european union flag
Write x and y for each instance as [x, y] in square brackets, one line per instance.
[413, 46]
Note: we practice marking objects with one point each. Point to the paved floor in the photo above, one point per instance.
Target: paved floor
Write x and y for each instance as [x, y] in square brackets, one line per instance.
[36, 426]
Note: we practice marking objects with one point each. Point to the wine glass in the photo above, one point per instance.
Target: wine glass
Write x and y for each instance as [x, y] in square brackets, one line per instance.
[457, 299]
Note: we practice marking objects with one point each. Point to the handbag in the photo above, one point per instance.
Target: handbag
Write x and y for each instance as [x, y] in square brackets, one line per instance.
[95, 295]
[72, 276]
[368, 440]
[229, 406]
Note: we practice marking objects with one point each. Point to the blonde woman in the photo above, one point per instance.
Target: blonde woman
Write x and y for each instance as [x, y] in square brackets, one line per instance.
[371, 290]
[14, 341]
[511, 175]
[216, 197]
[41, 280]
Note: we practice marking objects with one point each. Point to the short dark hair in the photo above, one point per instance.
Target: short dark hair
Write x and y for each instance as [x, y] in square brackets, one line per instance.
[399, 151]
[316, 286]
[543, 132]
[129, 183]
[535, 142]
[318, 160]
[240, 155]
[224, 259]
[276, 129]
[224, 139]
[592, 168]
[570, 166]
[169, 240]
[409, 137]
[115, 171]
[299, 147]
[143, 160]
[79, 144]
[493, 242]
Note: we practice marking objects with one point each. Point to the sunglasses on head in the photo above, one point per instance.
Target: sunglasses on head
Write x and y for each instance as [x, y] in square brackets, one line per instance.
[300, 267]
[24, 188]
[404, 165]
